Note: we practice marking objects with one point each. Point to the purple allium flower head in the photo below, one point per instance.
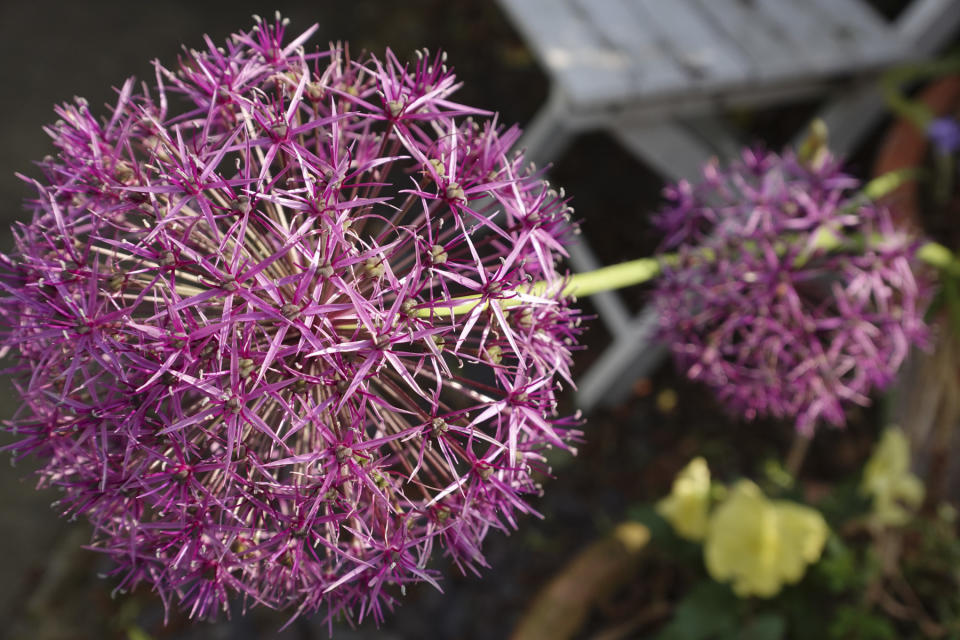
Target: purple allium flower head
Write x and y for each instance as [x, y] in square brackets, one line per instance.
[232, 316]
[756, 308]
[945, 134]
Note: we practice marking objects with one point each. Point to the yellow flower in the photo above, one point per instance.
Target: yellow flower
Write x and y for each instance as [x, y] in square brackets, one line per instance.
[687, 506]
[887, 478]
[759, 544]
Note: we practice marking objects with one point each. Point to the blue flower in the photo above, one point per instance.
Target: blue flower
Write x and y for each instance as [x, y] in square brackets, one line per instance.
[945, 134]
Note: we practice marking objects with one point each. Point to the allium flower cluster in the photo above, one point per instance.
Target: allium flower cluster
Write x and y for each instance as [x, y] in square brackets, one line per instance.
[760, 308]
[242, 354]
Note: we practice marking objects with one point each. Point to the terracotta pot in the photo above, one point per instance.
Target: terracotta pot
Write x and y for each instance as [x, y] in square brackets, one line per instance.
[927, 400]
[905, 146]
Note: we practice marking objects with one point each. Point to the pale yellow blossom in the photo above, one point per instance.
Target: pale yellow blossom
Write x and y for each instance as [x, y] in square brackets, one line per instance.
[758, 544]
[896, 492]
[688, 505]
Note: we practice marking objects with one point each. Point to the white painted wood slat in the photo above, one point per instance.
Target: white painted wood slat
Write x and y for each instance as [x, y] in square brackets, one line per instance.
[636, 66]
[652, 68]
[694, 42]
[769, 53]
[813, 32]
[581, 64]
[666, 147]
[865, 29]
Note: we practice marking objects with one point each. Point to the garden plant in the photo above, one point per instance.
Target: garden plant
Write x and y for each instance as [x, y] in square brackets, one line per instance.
[288, 322]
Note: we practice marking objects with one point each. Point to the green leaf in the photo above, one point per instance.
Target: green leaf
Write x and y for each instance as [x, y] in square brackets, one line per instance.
[136, 633]
[768, 626]
[777, 476]
[806, 609]
[646, 514]
[854, 623]
[708, 612]
[838, 566]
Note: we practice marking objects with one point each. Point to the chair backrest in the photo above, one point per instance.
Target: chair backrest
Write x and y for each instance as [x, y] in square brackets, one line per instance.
[926, 25]
[603, 53]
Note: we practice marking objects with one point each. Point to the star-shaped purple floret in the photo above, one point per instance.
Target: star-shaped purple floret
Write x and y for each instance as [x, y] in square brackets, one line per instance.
[231, 313]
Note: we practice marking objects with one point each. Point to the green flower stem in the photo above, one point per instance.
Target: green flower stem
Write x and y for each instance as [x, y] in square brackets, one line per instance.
[938, 256]
[895, 80]
[884, 185]
[617, 276]
[588, 283]
[643, 270]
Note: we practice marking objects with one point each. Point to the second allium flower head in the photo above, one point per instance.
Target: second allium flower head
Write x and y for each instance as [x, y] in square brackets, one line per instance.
[792, 295]
[234, 322]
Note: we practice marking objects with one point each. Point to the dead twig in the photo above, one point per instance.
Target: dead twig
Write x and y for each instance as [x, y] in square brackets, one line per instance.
[562, 607]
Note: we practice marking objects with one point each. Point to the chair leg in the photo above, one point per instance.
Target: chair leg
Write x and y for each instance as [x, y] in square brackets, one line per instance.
[671, 149]
[549, 133]
[678, 153]
[545, 139]
[610, 307]
[633, 354]
[923, 28]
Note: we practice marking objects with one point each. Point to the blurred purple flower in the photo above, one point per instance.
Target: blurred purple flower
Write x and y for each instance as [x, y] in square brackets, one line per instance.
[945, 134]
[229, 323]
[754, 307]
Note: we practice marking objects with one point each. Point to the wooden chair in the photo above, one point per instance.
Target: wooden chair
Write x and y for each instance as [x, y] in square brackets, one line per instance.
[657, 74]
